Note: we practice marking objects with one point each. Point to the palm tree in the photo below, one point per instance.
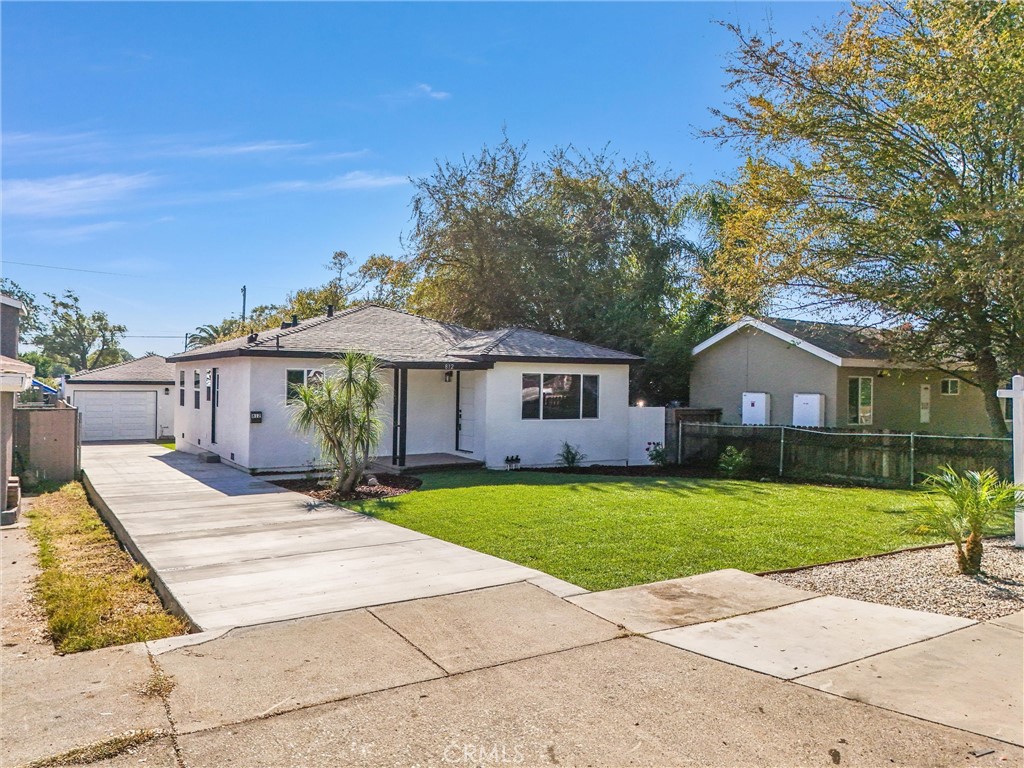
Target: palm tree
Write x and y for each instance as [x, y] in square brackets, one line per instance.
[963, 507]
[211, 334]
[341, 411]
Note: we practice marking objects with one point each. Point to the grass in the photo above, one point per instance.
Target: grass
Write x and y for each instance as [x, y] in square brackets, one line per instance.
[93, 593]
[168, 445]
[608, 532]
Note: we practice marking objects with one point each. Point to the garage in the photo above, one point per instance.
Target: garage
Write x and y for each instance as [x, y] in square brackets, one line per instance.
[117, 415]
[131, 400]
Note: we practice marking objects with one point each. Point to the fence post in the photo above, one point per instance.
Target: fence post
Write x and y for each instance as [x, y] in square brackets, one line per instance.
[679, 442]
[912, 472]
[782, 448]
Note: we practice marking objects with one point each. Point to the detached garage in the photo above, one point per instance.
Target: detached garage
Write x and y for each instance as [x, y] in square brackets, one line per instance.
[127, 401]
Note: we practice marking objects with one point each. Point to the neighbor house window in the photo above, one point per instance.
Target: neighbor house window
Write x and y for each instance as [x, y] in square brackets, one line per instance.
[1008, 404]
[950, 386]
[861, 399]
[560, 396]
[297, 377]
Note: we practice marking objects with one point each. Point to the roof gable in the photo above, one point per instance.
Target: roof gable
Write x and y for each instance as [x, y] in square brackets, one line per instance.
[834, 342]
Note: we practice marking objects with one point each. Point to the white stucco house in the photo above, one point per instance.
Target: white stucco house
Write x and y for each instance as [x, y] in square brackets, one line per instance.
[125, 401]
[452, 391]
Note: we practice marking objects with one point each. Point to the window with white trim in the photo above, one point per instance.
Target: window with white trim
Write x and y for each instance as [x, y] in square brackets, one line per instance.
[297, 377]
[552, 396]
[949, 386]
[861, 400]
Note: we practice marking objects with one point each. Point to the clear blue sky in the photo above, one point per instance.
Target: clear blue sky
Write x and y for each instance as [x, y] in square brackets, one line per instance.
[197, 147]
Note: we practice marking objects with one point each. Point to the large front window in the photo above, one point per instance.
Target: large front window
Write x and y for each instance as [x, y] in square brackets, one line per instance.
[297, 377]
[560, 396]
[861, 400]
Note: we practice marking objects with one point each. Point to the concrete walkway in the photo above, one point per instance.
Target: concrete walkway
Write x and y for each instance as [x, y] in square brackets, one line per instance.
[232, 550]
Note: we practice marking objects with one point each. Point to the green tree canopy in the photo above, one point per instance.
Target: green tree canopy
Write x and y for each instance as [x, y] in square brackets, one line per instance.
[886, 157]
[578, 244]
[84, 340]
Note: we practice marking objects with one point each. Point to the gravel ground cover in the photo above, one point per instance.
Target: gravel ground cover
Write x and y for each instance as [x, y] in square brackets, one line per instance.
[925, 580]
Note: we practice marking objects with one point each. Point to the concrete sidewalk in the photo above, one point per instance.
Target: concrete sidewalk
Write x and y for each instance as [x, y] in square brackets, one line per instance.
[233, 550]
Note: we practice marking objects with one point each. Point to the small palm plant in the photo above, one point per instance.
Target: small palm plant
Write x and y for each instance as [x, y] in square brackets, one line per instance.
[341, 411]
[963, 507]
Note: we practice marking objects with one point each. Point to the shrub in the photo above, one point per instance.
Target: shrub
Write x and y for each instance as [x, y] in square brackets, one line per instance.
[657, 454]
[963, 507]
[570, 455]
[733, 463]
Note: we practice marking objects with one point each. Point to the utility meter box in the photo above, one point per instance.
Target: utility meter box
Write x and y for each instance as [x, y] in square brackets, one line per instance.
[757, 408]
[808, 409]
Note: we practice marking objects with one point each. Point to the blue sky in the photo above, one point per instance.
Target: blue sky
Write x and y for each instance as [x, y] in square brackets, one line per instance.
[193, 148]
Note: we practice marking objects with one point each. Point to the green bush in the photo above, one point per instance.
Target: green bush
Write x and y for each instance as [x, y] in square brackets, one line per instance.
[570, 455]
[657, 454]
[733, 463]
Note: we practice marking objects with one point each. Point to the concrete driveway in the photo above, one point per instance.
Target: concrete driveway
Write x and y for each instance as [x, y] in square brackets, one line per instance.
[232, 550]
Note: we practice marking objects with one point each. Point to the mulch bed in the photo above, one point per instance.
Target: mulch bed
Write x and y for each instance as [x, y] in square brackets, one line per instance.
[388, 485]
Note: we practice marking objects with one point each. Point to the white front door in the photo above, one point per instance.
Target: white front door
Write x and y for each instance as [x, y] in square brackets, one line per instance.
[465, 434]
[926, 403]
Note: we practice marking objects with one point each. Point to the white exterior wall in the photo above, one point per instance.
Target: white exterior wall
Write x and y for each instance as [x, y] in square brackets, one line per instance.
[165, 411]
[537, 441]
[193, 426]
[646, 425]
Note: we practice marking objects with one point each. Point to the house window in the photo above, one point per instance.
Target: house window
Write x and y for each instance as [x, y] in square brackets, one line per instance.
[181, 397]
[195, 380]
[181, 392]
[197, 400]
[181, 379]
[861, 400]
[297, 377]
[950, 386]
[560, 396]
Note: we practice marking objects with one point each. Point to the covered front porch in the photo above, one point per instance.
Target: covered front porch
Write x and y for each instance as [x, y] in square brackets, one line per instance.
[436, 418]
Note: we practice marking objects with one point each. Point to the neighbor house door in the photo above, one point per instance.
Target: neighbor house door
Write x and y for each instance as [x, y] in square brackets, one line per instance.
[465, 412]
[926, 403]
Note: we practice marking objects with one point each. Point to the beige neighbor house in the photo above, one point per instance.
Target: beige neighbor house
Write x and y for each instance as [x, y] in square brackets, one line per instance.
[802, 373]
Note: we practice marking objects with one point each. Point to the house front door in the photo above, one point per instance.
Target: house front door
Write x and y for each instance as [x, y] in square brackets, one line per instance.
[465, 412]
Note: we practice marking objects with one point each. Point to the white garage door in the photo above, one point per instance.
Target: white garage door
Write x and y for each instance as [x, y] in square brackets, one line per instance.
[117, 415]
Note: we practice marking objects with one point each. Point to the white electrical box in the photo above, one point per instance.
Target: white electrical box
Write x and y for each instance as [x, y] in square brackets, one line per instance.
[757, 408]
[808, 409]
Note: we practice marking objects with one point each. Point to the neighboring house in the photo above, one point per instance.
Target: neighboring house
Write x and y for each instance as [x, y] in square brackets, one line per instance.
[124, 401]
[15, 376]
[795, 372]
[483, 396]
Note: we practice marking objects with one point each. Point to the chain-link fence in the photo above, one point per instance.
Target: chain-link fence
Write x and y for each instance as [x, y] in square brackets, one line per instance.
[887, 459]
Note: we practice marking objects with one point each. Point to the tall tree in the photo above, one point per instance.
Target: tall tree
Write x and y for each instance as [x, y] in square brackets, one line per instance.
[84, 340]
[579, 244]
[886, 157]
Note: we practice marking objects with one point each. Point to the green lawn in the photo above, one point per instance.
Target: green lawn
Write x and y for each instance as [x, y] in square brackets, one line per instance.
[168, 445]
[607, 532]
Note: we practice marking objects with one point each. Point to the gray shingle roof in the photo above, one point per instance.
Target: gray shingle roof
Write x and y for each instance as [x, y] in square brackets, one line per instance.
[511, 343]
[151, 369]
[403, 338]
[849, 341]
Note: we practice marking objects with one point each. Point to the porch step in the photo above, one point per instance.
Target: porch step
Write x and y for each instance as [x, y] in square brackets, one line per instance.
[209, 457]
[416, 464]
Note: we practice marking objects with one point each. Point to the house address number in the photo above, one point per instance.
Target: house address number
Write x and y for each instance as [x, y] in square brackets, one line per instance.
[255, 417]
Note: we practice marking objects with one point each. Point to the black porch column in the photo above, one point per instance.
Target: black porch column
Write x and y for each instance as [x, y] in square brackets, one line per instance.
[403, 413]
[394, 418]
